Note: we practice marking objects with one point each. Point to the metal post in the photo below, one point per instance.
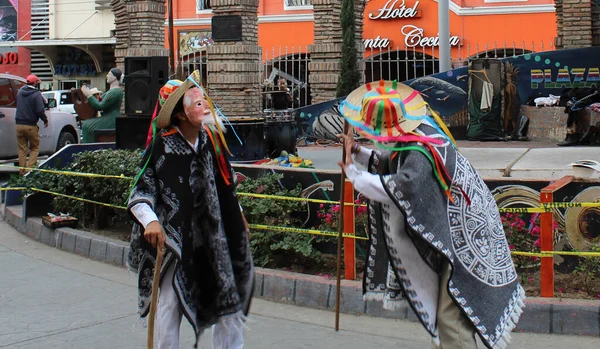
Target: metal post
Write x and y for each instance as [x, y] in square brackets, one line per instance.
[349, 224]
[444, 35]
[171, 44]
[547, 236]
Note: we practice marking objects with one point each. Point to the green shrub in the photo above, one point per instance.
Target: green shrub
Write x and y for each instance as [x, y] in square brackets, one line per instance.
[589, 268]
[271, 248]
[113, 191]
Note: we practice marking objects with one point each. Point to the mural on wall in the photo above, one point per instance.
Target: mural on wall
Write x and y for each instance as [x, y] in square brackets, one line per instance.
[190, 42]
[8, 20]
[532, 75]
[576, 226]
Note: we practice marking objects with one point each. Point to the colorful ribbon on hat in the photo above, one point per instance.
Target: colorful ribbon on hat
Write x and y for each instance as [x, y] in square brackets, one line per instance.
[379, 102]
[163, 95]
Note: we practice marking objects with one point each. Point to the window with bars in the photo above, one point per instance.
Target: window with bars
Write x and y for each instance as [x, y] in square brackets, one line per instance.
[202, 6]
[297, 4]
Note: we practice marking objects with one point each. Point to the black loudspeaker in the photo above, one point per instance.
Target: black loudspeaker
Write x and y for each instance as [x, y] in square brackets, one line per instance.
[144, 76]
[131, 132]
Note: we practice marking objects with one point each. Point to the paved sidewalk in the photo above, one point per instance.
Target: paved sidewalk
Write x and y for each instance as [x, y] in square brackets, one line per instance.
[54, 299]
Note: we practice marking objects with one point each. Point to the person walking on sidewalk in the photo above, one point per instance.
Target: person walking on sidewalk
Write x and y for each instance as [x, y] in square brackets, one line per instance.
[435, 230]
[185, 200]
[30, 110]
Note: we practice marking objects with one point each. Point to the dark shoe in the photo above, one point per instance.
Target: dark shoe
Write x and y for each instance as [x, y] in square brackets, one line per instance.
[572, 139]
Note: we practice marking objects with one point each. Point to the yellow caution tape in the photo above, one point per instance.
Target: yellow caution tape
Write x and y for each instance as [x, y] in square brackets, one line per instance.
[321, 232]
[305, 231]
[560, 253]
[525, 210]
[570, 204]
[71, 173]
[289, 198]
[15, 188]
[78, 199]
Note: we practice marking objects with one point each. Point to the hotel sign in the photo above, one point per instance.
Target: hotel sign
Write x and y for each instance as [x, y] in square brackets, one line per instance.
[413, 36]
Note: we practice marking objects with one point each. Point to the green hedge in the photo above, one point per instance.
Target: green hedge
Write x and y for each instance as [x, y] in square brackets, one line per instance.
[269, 248]
[112, 191]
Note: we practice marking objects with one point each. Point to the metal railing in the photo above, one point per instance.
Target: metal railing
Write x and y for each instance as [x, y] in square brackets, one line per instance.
[289, 65]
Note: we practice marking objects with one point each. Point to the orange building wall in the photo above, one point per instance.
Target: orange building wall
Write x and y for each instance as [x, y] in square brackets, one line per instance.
[528, 30]
[474, 32]
[482, 3]
[297, 35]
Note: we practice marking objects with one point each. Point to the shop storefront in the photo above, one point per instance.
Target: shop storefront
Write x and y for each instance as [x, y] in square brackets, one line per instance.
[66, 43]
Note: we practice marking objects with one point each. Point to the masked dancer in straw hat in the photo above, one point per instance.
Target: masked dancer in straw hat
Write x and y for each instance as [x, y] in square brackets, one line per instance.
[181, 196]
[436, 237]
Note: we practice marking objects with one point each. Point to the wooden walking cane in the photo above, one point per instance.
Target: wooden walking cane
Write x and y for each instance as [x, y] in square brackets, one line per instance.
[340, 234]
[154, 299]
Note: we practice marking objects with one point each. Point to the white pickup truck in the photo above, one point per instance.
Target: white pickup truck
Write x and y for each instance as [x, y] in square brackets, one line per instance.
[62, 127]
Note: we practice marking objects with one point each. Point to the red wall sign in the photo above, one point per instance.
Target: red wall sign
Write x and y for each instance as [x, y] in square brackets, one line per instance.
[9, 58]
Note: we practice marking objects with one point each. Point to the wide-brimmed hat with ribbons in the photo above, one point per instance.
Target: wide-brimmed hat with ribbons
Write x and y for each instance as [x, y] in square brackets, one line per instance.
[389, 112]
[384, 109]
[168, 97]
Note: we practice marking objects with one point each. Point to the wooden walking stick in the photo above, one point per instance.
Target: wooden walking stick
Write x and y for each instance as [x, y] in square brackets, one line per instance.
[340, 234]
[154, 299]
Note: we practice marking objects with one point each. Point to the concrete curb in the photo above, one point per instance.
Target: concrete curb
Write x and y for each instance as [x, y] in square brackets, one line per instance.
[541, 315]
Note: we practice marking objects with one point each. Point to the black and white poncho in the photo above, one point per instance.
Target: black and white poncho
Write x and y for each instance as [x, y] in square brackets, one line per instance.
[410, 241]
[206, 235]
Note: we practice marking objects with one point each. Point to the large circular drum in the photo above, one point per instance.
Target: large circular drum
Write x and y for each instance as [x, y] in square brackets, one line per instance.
[252, 134]
[280, 136]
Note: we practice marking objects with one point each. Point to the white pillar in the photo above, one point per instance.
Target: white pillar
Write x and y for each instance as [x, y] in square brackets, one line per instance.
[444, 35]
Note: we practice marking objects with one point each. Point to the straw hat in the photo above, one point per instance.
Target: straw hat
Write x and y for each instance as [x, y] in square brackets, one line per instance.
[169, 95]
[384, 108]
[95, 91]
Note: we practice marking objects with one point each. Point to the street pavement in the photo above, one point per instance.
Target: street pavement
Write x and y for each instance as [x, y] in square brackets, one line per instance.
[53, 299]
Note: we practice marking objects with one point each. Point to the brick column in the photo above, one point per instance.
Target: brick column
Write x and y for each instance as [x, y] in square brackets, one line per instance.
[139, 28]
[121, 30]
[234, 67]
[574, 23]
[326, 52]
[596, 24]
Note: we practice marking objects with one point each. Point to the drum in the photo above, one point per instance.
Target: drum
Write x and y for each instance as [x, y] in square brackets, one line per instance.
[251, 132]
[280, 136]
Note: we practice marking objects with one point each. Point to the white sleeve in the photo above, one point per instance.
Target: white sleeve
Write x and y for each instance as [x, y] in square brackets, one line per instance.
[368, 184]
[363, 156]
[144, 214]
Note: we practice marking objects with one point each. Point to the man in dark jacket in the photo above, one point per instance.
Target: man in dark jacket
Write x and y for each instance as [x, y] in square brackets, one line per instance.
[30, 109]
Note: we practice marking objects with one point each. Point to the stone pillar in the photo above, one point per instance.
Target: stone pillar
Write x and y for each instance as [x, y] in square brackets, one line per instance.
[139, 29]
[121, 30]
[596, 24]
[359, 12]
[326, 52]
[574, 23]
[233, 68]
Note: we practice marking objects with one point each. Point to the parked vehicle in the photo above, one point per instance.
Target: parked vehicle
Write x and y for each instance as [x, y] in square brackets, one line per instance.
[63, 100]
[62, 126]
